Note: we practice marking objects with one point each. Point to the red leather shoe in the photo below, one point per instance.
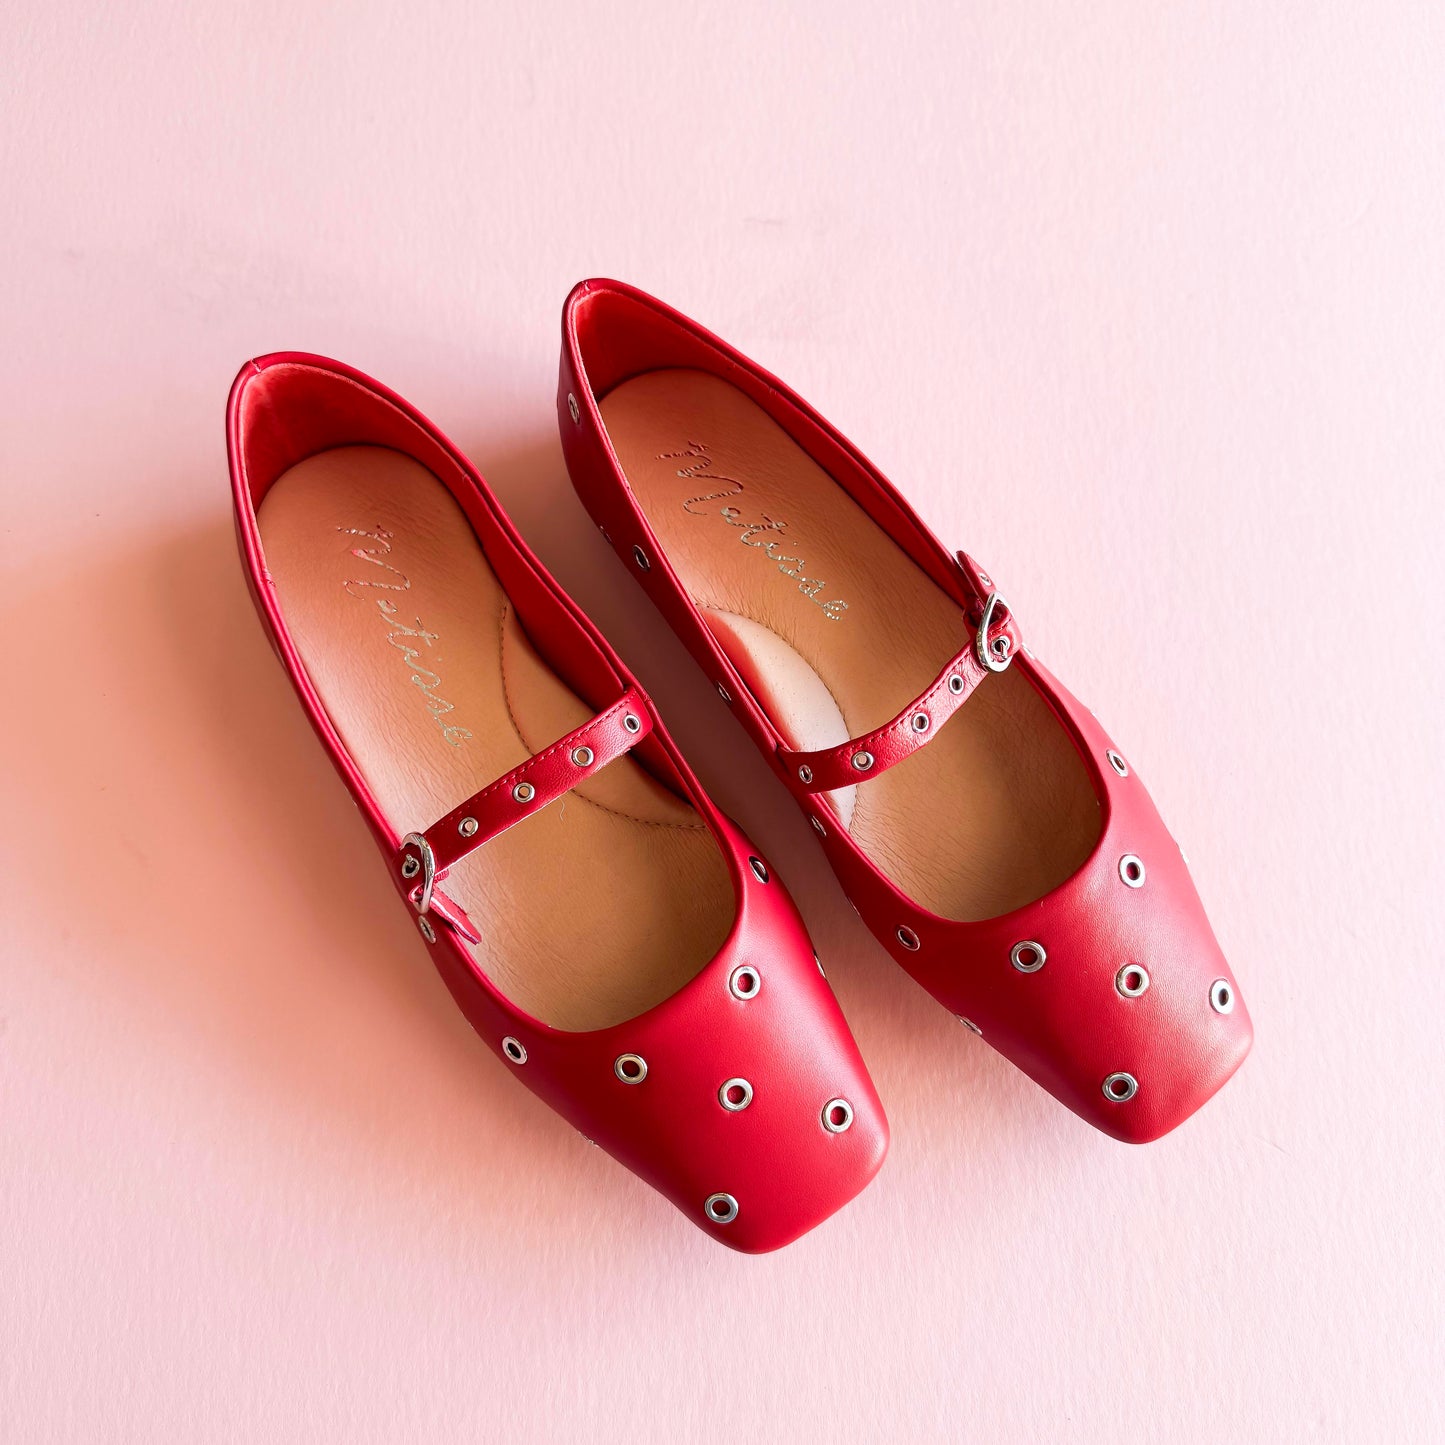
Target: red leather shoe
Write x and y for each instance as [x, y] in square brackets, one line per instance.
[984, 825]
[622, 948]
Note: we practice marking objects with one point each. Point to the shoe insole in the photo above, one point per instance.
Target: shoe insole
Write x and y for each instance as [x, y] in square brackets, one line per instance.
[836, 630]
[592, 910]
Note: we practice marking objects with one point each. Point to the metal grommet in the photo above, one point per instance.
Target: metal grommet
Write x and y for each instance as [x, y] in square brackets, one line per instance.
[745, 981]
[410, 866]
[1131, 980]
[720, 1208]
[735, 1095]
[524, 792]
[760, 869]
[468, 827]
[640, 557]
[723, 693]
[908, 938]
[1117, 763]
[818, 827]
[920, 722]
[1120, 1088]
[631, 722]
[863, 760]
[427, 931]
[1001, 645]
[1221, 996]
[572, 406]
[837, 1116]
[514, 1050]
[969, 1024]
[955, 684]
[1028, 956]
[805, 774]
[819, 962]
[583, 756]
[630, 1068]
[1131, 870]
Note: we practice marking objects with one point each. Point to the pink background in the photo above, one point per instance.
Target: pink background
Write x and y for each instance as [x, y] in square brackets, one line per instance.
[1142, 303]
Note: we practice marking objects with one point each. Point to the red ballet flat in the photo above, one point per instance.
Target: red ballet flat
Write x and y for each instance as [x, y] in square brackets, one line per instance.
[618, 943]
[989, 832]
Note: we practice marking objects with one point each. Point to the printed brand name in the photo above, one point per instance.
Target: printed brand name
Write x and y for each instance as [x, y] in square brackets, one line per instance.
[762, 533]
[408, 641]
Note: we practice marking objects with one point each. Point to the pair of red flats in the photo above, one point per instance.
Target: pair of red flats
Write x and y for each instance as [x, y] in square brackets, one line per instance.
[609, 933]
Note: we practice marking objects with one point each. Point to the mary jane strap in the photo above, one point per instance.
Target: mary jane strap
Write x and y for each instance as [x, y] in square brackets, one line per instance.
[992, 649]
[423, 859]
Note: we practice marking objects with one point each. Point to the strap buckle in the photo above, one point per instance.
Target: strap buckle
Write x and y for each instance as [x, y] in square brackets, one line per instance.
[995, 654]
[424, 863]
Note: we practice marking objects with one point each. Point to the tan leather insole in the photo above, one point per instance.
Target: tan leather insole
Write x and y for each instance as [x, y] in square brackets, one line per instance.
[836, 631]
[591, 911]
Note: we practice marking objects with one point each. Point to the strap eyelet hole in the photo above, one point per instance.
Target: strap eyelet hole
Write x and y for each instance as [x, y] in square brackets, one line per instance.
[514, 1050]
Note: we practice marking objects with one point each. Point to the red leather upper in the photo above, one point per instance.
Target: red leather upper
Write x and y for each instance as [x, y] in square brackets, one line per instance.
[1052, 985]
[784, 1033]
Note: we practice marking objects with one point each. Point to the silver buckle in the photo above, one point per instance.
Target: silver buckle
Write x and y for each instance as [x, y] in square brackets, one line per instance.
[428, 869]
[994, 662]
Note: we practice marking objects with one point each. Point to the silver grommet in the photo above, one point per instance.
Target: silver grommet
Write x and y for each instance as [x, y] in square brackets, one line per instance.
[805, 774]
[583, 756]
[723, 693]
[572, 406]
[837, 1116]
[760, 869]
[640, 557]
[1028, 956]
[524, 792]
[468, 827]
[1001, 645]
[1131, 870]
[818, 827]
[955, 684]
[819, 962]
[427, 931]
[920, 722]
[410, 866]
[1131, 980]
[863, 760]
[630, 1068]
[1221, 996]
[631, 722]
[735, 1095]
[745, 981]
[909, 939]
[1117, 763]
[720, 1208]
[514, 1050]
[1120, 1088]
[969, 1024]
